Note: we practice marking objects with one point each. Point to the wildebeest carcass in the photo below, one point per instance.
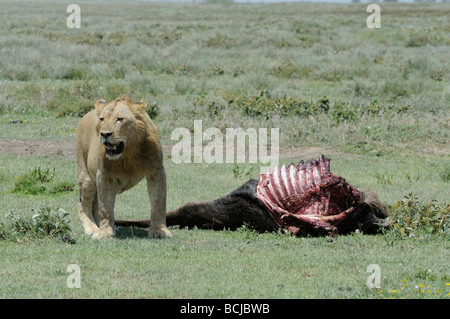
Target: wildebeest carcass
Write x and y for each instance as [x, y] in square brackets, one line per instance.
[304, 199]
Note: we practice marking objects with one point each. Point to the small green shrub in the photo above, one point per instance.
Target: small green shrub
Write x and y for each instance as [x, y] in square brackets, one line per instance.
[438, 75]
[168, 37]
[373, 108]
[33, 182]
[214, 108]
[216, 70]
[409, 216]
[152, 109]
[220, 41]
[264, 105]
[37, 182]
[45, 222]
[344, 113]
[63, 187]
[426, 274]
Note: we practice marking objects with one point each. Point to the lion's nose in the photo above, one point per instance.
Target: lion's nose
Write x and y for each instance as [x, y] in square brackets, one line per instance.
[106, 134]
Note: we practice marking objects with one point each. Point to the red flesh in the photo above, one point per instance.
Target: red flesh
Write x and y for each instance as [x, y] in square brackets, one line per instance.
[307, 195]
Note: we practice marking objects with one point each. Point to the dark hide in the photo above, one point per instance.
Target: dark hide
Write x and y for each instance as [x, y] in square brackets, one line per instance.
[242, 207]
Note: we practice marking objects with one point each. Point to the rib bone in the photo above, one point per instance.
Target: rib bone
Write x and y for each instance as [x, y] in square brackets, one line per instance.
[308, 194]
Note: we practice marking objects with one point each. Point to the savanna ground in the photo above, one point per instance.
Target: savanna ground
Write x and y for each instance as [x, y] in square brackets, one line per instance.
[375, 101]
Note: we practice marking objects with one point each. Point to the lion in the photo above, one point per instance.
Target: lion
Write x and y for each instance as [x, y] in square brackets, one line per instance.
[117, 145]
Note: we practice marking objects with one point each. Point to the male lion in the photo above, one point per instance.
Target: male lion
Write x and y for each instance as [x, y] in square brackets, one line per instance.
[117, 146]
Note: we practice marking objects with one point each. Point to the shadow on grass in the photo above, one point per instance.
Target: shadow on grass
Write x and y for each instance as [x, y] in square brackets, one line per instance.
[132, 232]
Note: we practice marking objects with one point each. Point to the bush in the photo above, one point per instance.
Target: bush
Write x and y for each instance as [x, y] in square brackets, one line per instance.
[344, 113]
[33, 182]
[36, 182]
[152, 110]
[63, 187]
[264, 105]
[409, 216]
[45, 222]
[220, 41]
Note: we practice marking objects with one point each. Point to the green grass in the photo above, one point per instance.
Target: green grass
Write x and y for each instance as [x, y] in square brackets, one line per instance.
[375, 101]
[203, 264]
[185, 52]
[209, 264]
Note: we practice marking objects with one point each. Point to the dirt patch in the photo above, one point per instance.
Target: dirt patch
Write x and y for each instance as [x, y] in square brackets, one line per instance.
[42, 148]
[37, 148]
[67, 149]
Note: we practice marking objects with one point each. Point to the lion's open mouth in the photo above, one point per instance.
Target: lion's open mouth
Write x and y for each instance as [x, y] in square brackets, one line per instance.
[114, 149]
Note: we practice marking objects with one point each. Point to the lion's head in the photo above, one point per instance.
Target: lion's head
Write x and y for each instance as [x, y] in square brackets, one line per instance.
[120, 125]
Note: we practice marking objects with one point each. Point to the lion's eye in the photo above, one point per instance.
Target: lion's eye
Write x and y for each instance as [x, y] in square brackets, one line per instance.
[119, 119]
[101, 119]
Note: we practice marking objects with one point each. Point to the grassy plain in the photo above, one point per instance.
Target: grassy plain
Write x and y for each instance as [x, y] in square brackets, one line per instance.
[375, 101]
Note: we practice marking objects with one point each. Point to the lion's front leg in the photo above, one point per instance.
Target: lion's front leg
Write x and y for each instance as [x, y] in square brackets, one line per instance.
[86, 202]
[156, 186]
[106, 198]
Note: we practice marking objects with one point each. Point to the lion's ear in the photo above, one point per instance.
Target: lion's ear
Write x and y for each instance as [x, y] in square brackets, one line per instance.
[100, 104]
[141, 105]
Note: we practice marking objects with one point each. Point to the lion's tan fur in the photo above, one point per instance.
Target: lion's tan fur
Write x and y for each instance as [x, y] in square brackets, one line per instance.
[101, 176]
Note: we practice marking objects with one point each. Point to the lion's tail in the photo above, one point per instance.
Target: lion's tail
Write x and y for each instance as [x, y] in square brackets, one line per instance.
[142, 223]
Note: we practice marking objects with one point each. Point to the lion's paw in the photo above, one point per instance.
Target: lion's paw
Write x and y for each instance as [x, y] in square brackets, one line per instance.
[103, 233]
[90, 229]
[160, 232]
